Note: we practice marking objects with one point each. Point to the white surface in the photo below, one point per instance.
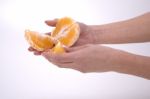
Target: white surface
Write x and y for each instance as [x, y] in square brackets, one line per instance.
[25, 76]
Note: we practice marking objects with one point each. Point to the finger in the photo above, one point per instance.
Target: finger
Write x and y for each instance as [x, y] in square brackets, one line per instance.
[57, 58]
[64, 65]
[70, 66]
[47, 54]
[31, 49]
[37, 53]
[51, 22]
[76, 48]
[62, 58]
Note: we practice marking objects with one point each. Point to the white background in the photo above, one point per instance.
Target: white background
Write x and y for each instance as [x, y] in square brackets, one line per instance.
[25, 76]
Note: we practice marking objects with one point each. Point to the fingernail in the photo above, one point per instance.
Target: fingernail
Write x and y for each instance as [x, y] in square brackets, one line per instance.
[46, 21]
[37, 53]
[31, 49]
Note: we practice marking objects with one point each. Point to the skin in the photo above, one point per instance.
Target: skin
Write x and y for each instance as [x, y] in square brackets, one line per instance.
[87, 56]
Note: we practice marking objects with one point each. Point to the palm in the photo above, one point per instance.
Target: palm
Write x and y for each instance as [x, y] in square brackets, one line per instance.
[85, 35]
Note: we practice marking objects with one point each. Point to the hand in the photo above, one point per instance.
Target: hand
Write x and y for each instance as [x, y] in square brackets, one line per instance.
[96, 58]
[86, 35]
[87, 58]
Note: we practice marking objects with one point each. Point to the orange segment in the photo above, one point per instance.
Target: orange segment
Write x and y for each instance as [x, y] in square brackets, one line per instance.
[61, 25]
[67, 31]
[59, 49]
[38, 41]
[72, 34]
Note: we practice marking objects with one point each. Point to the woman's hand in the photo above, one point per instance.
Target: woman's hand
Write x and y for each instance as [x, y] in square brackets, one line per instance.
[86, 33]
[86, 36]
[86, 58]
[96, 58]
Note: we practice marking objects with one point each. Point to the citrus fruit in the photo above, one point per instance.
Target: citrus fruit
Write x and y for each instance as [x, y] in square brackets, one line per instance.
[65, 34]
[38, 41]
[67, 31]
[58, 48]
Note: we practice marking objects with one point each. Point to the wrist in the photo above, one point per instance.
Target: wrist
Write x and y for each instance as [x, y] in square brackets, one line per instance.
[102, 34]
[132, 64]
[96, 33]
[116, 60]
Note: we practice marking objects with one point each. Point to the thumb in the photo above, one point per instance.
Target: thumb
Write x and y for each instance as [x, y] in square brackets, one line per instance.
[51, 22]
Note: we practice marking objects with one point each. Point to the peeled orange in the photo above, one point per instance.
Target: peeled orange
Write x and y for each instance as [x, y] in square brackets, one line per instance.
[38, 41]
[66, 33]
[58, 48]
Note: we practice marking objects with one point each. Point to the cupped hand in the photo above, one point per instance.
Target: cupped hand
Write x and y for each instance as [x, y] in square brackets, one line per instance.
[86, 58]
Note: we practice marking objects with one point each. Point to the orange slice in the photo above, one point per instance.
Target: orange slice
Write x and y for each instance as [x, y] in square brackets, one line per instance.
[59, 49]
[67, 31]
[38, 41]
